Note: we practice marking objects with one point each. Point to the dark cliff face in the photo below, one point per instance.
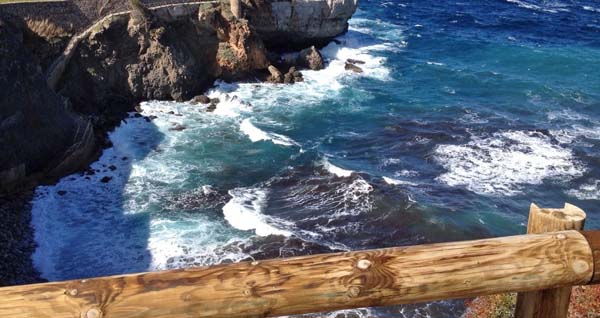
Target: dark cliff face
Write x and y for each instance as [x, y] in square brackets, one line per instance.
[38, 134]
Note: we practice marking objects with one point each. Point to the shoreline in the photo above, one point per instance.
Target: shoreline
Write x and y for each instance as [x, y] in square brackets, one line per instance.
[17, 237]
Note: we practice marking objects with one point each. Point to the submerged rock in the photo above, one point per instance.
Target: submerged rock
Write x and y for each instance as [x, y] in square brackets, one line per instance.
[105, 179]
[211, 108]
[178, 127]
[353, 68]
[353, 61]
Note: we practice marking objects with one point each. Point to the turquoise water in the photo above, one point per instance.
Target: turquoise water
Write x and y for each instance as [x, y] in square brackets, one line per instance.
[465, 114]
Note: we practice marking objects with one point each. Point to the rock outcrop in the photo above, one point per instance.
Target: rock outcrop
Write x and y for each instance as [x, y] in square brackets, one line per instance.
[54, 124]
[125, 60]
[39, 135]
[296, 24]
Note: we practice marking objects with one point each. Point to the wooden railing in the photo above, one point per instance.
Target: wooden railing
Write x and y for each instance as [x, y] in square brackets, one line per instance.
[327, 282]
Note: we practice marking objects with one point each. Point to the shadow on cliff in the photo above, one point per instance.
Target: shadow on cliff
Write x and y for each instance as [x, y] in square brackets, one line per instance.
[90, 225]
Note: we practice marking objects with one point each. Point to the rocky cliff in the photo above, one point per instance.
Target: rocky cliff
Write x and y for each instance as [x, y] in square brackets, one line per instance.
[54, 115]
[299, 24]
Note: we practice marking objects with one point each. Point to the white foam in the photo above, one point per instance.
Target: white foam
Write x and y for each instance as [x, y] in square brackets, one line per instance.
[435, 63]
[548, 7]
[195, 240]
[244, 212]
[393, 181]
[570, 135]
[230, 105]
[501, 164]
[342, 173]
[589, 8]
[588, 191]
[255, 134]
[566, 114]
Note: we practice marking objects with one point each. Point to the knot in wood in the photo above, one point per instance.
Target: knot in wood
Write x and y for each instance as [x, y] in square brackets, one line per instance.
[353, 291]
[93, 313]
[254, 263]
[580, 266]
[249, 292]
[561, 236]
[73, 292]
[363, 264]
[186, 297]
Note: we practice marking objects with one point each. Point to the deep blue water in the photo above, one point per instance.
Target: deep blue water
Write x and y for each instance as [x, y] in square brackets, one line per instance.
[465, 114]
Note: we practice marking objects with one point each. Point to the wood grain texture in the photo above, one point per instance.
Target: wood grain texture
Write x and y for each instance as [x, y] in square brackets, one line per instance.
[550, 303]
[319, 282]
[593, 238]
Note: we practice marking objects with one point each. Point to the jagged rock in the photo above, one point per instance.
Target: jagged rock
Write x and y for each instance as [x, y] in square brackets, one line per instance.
[139, 12]
[292, 76]
[353, 68]
[201, 99]
[241, 50]
[276, 76]
[310, 58]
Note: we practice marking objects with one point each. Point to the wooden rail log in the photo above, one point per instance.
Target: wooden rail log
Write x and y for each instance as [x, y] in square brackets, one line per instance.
[320, 282]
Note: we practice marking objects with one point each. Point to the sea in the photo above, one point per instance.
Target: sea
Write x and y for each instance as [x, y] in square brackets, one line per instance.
[466, 112]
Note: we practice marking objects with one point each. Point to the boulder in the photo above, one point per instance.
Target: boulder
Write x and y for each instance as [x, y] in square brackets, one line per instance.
[310, 58]
[200, 99]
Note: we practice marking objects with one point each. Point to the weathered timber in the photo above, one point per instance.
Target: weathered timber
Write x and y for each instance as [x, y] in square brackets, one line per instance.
[593, 238]
[319, 282]
[550, 303]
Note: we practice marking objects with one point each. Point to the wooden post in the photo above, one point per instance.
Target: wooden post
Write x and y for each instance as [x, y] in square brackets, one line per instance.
[549, 303]
[236, 8]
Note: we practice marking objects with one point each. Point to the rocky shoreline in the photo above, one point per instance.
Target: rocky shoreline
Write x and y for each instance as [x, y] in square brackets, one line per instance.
[17, 240]
[63, 92]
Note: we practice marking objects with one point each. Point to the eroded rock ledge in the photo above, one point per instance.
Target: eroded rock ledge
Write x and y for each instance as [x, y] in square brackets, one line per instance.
[62, 91]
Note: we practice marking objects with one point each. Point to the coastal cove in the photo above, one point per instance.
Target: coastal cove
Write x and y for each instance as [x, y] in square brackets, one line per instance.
[450, 121]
